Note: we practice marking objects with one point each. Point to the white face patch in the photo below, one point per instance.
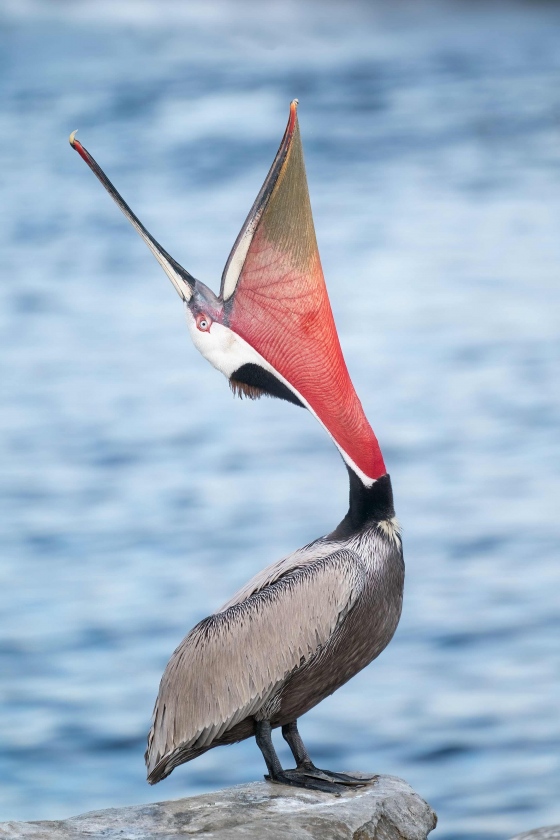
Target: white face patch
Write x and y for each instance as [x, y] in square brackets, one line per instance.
[227, 352]
[222, 347]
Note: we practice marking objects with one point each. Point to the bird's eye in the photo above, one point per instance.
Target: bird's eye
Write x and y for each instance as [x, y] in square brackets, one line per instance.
[203, 322]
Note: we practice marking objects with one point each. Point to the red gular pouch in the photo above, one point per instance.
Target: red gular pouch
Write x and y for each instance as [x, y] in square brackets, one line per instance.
[276, 300]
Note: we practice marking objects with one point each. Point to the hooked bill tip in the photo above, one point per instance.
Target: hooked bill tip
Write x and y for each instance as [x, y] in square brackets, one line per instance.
[72, 137]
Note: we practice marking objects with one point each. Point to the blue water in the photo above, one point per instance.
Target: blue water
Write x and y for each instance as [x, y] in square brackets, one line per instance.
[136, 494]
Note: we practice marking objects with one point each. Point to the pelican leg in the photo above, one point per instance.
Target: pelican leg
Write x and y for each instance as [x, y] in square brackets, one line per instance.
[300, 776]
[304, 763]
[292, 736]
[263, 737]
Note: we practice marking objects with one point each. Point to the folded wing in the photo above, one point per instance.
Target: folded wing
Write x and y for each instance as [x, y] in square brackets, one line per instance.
[232, 663]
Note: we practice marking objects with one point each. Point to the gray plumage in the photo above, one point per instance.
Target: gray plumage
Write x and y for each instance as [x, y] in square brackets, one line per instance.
[294, 634]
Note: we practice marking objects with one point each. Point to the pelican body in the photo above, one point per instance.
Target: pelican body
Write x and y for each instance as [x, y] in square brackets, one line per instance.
[304, 626]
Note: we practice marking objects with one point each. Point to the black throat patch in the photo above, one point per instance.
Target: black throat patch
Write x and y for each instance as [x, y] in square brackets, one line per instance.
[253, 381]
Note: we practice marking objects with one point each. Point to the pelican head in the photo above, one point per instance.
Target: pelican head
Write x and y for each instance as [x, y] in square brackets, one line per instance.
[270, 330]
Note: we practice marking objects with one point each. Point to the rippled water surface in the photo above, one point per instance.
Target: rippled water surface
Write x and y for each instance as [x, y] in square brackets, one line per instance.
[137, 494]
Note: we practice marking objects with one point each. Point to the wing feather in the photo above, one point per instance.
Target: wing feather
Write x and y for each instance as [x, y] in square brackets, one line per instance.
[234, 661]
[302, 557]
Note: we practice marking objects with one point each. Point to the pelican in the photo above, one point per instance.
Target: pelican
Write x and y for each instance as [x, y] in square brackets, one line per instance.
[305, 625]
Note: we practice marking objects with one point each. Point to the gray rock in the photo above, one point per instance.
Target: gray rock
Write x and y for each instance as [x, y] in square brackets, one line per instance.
[387, 809]
[550, 832]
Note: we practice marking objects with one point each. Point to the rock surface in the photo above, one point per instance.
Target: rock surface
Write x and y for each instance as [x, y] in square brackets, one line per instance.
[549, 832]
[387, 809]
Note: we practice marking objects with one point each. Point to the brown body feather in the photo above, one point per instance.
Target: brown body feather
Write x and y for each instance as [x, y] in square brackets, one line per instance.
[297, 632]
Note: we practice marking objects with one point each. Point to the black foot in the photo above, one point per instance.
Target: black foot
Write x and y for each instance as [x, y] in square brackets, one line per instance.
[305, 775]
[299, 778]
[314, 779]
[343, 778]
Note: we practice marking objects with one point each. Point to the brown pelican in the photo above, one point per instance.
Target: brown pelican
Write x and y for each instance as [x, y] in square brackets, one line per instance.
[305, 625]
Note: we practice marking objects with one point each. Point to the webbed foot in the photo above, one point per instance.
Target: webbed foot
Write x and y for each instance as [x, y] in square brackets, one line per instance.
[341, 778]
[306, 779]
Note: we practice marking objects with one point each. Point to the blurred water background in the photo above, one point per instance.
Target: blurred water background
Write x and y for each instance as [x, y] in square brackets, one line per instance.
[137, 494]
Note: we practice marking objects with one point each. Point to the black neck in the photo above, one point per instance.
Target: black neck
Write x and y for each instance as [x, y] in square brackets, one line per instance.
[368, 505]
